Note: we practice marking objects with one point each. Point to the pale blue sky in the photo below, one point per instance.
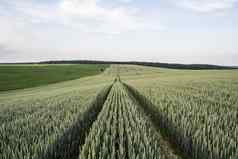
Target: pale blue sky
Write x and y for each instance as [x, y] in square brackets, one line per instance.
[184, 31]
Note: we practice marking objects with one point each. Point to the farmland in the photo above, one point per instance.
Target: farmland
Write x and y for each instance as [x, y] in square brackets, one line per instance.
[32, 75]
[131, 112]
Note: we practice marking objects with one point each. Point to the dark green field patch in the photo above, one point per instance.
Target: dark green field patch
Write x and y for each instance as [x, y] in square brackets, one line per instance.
[25, 76]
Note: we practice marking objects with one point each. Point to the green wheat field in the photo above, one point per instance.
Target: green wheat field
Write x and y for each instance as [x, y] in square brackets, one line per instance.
[117, 112]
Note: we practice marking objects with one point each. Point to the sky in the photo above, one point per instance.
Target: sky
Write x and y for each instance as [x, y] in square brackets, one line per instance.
[174, 31]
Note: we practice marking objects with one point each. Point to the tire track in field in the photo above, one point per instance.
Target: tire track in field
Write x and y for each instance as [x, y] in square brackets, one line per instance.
[114, 126]
[123, 131]
[68, 144]
[156, 119]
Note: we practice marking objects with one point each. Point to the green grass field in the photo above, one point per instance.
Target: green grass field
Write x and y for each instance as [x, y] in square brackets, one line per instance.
[147, 112]
[25, 76]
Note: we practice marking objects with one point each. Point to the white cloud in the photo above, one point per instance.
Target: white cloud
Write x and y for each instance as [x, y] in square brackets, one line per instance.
[43, 30]
[126, 1]
[82, 15]
[83, 8]
[95, 18]
[206, 6]
[30, 28]
[28, 11]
